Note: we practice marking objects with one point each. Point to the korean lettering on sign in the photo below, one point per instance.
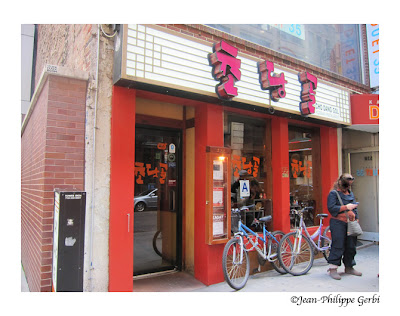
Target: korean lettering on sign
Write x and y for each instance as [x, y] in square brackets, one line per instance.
[224, 56]
[142, 170]
[274, 83]
[226, 69]
[240, 163]
[308, 85]
[298, 167]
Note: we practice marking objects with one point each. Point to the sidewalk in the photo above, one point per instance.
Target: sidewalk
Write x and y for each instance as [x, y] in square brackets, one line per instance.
[317, 279]
[24, 283]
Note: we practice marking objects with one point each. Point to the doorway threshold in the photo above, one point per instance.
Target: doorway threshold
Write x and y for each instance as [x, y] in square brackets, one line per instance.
[154, 274]
[168, 281]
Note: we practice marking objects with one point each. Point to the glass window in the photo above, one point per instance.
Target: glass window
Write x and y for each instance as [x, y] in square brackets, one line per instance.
[333, 47]
[302, 173]
[248, 141]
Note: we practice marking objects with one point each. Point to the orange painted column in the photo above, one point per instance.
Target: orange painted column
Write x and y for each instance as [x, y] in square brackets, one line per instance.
[122, 189]
[280, 174]
[209, 132]
[329, 163]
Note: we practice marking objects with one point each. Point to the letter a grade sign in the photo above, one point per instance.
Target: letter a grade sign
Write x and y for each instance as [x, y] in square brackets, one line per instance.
[244, 188]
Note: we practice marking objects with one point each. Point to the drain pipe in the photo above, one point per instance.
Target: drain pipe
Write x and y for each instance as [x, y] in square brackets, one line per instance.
[94, 161]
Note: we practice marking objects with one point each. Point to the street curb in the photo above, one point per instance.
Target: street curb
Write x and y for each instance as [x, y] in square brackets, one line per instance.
[367, 244]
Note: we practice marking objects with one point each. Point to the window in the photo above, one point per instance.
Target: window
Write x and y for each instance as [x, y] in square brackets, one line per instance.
[250, 160]
[333, 47]
[304, 162]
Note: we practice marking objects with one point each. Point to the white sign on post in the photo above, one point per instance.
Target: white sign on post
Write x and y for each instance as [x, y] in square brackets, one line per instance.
[244, 188]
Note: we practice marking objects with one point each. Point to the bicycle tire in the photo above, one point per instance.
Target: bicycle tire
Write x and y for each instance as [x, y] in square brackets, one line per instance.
[236, 275]
[155, 243]
[295, 264]
[274, 251]
[323, 240]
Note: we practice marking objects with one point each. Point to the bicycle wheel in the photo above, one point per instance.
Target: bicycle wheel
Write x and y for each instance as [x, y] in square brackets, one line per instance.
[157, 242]
[294, 258]
[326, 241]
[274, 251]
[236, 273]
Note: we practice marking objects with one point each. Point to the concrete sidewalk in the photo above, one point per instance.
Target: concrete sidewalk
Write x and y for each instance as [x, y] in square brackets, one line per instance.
[317, 279]
[24, 283]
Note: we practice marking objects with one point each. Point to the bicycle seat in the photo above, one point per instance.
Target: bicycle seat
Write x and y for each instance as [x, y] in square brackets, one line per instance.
[322, 215]
[266, 219]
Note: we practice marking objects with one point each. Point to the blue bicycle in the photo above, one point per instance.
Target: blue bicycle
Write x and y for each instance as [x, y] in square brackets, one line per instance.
[235, 258]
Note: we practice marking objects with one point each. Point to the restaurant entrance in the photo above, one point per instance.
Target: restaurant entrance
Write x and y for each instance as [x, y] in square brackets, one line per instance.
[157, 201]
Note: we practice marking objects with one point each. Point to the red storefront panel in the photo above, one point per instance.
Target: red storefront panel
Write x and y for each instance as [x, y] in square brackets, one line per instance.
[365, 109]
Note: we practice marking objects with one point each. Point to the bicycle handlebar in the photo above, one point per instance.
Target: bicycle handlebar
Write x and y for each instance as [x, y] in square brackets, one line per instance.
[247, 207]
[304, 209]
[243, 208]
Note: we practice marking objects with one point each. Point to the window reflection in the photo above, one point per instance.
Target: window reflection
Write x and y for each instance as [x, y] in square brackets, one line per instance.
[246, 137]
[334, 47]
[301, 173]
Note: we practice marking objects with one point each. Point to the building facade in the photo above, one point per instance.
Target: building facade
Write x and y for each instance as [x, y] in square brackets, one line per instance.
[134, 115]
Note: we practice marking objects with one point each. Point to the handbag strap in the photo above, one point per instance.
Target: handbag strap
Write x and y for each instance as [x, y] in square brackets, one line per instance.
[341, 202]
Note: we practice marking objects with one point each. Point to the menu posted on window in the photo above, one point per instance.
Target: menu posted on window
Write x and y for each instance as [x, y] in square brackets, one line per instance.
[218, 172]
[218, 201]
[218, 225]
[218, 197]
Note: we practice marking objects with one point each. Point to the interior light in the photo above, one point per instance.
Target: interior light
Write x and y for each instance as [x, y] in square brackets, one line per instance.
[222, 158]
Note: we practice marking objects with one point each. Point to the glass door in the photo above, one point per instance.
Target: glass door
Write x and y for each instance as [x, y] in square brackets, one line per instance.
[158, 189]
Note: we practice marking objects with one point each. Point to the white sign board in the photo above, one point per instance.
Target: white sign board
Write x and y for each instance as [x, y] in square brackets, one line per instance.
[161, 58]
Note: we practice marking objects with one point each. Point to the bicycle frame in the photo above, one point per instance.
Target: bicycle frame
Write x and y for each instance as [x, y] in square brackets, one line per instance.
[244, 231]
[317, 233]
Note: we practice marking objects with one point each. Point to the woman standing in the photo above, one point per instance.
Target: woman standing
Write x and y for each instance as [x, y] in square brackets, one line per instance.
[343, 247]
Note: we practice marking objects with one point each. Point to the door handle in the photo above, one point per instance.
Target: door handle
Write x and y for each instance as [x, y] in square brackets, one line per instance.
[129, 222]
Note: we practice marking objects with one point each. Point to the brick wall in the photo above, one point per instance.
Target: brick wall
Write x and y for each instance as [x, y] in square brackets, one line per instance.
[52, 156]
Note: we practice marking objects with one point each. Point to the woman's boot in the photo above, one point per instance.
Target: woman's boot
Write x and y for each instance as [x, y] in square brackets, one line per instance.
[333, 273]
[351, 270]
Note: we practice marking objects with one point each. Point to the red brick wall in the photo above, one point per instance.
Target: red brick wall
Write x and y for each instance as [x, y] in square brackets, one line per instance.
[52, 156]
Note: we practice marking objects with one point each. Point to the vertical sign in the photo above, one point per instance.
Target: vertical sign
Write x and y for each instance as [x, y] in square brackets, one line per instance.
[373, 54]
[350, 50]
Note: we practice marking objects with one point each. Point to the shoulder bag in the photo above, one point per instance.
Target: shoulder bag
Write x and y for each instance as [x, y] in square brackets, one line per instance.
[353, 227]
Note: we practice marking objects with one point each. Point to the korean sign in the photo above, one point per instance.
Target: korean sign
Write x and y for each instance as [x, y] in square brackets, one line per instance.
[226, 69]
[167, 59]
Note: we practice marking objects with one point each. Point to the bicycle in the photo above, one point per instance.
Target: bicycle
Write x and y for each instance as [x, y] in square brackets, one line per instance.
[235, 259]
[296, 249]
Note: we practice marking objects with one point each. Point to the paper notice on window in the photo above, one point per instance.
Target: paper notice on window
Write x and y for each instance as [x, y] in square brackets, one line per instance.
[218, 225]
[218, 197]
[218, 170]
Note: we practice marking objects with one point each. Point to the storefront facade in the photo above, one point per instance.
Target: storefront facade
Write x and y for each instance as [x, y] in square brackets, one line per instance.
[361, 158]
[163, 101]
[175, 96]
